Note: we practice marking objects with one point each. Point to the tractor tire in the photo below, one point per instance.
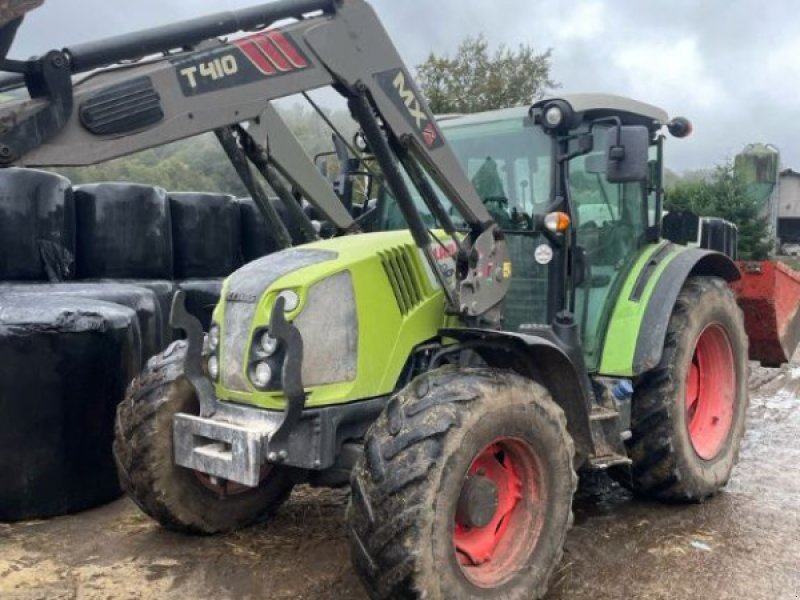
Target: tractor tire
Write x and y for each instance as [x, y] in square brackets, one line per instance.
[464, 490]
[688, 414]
[178, 498]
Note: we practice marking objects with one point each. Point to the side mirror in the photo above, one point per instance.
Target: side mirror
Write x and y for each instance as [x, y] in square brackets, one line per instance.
[627, 154]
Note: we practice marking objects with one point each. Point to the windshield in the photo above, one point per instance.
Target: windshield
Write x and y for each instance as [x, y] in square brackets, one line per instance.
[508, 162]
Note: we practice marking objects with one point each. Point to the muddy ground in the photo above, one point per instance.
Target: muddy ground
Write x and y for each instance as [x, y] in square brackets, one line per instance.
[744, 543]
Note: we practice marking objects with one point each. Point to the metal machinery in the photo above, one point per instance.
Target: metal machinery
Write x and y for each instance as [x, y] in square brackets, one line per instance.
[508, 312]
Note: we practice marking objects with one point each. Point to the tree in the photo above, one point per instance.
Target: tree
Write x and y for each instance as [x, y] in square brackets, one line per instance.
[475, 79]
[724, 194]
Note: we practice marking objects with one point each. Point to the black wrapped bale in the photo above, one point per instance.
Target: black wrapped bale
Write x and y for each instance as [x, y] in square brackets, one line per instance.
[202, 295]
[257, 241]
[206, 235]
[164, 292]
[123, 231]
[37, 226]
[141, 300]
[64, 367]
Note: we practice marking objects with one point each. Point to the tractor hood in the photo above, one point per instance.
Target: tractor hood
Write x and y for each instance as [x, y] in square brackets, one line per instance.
[361, 304]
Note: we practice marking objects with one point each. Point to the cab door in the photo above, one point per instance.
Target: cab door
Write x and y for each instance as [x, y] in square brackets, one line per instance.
[610, 223]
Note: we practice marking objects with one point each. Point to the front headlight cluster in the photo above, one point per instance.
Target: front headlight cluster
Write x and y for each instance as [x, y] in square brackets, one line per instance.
[268, 344]
[264, 362]
[212, 363]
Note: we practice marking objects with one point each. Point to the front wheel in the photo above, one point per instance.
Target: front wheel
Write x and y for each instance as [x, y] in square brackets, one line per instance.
[176, 497]
[464, 491]
[688, 414]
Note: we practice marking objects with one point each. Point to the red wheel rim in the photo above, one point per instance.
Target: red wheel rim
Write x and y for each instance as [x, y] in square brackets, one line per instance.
[224, 488]
[492, 554]
[710, 392]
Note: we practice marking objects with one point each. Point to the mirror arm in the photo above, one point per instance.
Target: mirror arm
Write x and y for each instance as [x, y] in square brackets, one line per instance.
[585, 145]
[612, 119]
[618, 151]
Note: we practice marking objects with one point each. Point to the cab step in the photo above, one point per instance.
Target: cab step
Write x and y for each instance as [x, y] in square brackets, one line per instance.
[608, 438]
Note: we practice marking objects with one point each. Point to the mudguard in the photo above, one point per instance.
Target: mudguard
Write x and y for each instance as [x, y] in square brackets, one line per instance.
[542, 357]
[653, 328]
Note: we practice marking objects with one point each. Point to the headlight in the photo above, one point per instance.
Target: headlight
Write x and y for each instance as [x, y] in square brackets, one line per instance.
[557, 116]
[213, 338]
[262, 375]
[554, 116]
[213, 367]
[268, 344]
[290, 300]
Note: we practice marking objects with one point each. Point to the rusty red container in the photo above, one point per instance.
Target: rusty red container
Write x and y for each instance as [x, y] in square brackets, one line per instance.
[769, 295]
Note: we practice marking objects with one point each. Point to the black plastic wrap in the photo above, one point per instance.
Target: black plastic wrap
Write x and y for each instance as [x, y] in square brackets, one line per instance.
[681, 227]
[206, 235]
[257, 241]
[140, 299]
[124, 231]
[720, 235]
[164, 292]
[64, 367]
[202, 295]
[37, 226]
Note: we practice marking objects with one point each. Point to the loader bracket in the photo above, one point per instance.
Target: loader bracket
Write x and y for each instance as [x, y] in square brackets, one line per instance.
[48, 78]
[181, 319]
[291, 379]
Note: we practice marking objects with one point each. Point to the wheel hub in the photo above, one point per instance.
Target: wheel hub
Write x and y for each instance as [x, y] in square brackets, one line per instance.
[710, 392]
[499, 513]
[478, 502]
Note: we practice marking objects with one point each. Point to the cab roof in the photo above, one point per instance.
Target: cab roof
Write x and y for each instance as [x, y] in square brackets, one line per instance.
[632, 112]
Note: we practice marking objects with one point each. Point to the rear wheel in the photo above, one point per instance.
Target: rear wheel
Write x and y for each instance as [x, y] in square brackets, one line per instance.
[179, 498]
[464, 491]
[689, 413]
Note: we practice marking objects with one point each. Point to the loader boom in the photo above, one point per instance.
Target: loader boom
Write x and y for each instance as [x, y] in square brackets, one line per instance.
[217, 84]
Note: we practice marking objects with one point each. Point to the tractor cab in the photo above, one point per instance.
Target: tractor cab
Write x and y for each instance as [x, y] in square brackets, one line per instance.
[575, 184]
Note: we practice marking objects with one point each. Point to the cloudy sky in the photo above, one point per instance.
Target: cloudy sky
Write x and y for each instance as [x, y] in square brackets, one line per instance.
[733, 68]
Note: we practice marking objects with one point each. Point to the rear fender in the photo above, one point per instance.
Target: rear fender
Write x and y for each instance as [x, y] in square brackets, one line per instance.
[692, 262]
[545, 361]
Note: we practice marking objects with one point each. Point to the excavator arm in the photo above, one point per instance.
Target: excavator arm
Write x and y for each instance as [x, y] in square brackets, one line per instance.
[197, 83]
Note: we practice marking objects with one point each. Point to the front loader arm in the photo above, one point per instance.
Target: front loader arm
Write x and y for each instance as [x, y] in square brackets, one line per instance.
[124, 109]
[358, 51]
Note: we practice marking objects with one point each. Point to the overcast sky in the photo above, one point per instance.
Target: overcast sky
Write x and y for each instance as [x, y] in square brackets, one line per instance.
[733, 68]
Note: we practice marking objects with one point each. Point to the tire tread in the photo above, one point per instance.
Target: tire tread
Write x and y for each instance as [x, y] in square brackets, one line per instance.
[391, 487]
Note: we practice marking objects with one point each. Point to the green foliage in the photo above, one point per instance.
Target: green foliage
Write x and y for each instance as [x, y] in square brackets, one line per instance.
[724, 194]
[191, 165]
[475, 80]
[199, 164]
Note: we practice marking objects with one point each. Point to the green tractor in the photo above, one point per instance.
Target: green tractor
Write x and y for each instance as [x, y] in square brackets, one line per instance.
[341, 362]
[506, 314]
